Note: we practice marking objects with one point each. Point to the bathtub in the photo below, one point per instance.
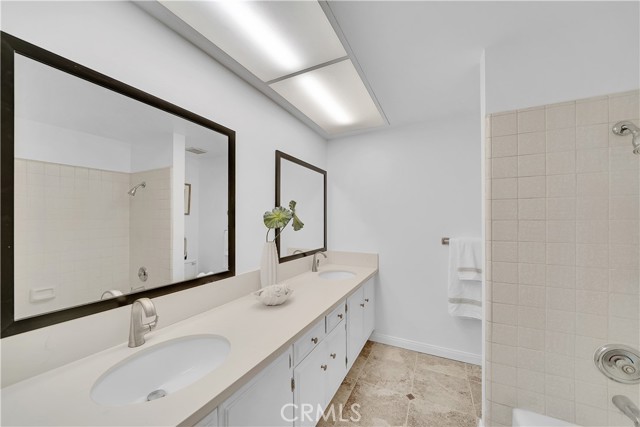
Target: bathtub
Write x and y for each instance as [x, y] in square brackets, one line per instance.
[522, 418]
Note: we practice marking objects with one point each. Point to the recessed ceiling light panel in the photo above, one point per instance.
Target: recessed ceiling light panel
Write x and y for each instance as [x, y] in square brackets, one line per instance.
[271, 39]
[334, 97]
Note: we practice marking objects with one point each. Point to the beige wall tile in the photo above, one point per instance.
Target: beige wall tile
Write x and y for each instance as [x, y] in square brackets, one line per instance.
[531, 317]
[561, 276]
[561, 299]
[504, 231]
[504, 146]
[561, 208]
[506, 293]
[561, 116]
[591, 302]
[504, 209]
[594, 136]
[622, 330]
[561, 231]
[532, 209]
[592, 185]
[532, 360]
[561, 185]
[586, 370]
[531, 338]
[505, 167]
[624, 281]
[592, 279]
[531, 165]
[532, 143]
[531, 400]
[559, 386]
[530, 380]
[505, 251]
[620, 160]
[624, 107]
[505, 188]
[504, 354]
[592, 208]
[592, 111]
[592, 231]
[559, 364]
[596, 160]
[531, 252]
[531, 274]
[560, 408]
[561, 254]
[531, 296]
[504, 394]
[561, 321]
[531, 231]
[504, 374]
[624, 183]
[563, 140]
[531, 120]
[592, 255]
[504, 124]
[624, 256]
[504, 334]
[591, 394]
[561, 162]
[591, 325]
[624, 306]
[531, 187]
[590, 417]
[559, 342]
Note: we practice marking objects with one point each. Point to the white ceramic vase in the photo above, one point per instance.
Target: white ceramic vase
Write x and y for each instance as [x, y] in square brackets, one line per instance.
[269, 264]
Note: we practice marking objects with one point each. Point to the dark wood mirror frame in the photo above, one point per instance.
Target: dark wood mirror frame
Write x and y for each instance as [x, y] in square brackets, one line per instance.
[10, 326]
[279, 156]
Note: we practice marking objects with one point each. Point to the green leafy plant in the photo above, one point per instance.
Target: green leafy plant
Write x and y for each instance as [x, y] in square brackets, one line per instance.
[280, 217]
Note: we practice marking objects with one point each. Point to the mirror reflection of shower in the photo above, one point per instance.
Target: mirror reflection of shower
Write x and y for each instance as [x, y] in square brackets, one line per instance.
[133, 190]
[627, 128]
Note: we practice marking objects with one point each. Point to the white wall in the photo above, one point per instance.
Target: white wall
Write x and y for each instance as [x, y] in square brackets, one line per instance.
[397, 192]
[120, 40]
[213, 216]
[594, 50]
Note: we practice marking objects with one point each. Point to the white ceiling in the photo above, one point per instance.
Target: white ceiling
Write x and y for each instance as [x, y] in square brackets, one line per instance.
[422, 59]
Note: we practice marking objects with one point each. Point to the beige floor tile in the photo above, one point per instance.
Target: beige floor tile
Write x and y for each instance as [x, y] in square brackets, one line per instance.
[427, 362]
[424, 417]
[442, 392]
[396, 376]
[356, 369]
[393, 354]
[370, 406]
[474, 372]
[476, 395]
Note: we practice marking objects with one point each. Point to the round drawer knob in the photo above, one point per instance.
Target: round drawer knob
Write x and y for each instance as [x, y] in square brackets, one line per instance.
[340, 316]
[323, 367]
[333, 355]
[314, 340]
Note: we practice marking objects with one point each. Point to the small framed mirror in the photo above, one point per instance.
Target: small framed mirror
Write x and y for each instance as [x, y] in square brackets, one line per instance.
[307, 185]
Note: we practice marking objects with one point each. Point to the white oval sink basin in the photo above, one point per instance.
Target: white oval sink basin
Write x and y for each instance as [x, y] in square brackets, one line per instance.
[160, 370]
[336, 275]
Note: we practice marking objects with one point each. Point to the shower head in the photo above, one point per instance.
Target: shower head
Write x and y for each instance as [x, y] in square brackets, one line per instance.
[133, 190]
[627, 128]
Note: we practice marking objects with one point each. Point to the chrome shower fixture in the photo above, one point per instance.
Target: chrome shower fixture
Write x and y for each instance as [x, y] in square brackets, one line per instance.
[627, 128]
[132, 192]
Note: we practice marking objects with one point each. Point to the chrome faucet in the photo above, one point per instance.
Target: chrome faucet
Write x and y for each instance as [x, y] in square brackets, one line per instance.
[628, 408]
[316, 261]
[138, 328]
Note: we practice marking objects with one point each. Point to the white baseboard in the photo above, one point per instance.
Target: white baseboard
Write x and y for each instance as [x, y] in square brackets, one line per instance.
[448, 353]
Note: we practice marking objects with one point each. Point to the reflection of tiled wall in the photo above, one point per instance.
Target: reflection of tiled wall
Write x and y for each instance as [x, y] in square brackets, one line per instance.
[71, 233]
[150, 228]
[562, 209]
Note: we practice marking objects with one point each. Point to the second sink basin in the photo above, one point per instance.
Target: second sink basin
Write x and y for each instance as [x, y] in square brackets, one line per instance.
[160, 370]
[336, 275]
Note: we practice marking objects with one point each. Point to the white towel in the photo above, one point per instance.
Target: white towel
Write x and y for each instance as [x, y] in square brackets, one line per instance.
[465, 295]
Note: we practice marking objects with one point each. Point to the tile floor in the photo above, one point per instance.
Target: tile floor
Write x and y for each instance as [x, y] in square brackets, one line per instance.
[398, 387]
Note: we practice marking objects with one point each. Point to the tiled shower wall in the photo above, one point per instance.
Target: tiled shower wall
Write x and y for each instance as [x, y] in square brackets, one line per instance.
[563, 258]
[71, 234]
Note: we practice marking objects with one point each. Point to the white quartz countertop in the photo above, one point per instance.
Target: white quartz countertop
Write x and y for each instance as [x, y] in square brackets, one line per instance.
[257, 334]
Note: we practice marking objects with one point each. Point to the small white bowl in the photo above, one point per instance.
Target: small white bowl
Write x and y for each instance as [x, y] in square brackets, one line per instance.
[273, 295]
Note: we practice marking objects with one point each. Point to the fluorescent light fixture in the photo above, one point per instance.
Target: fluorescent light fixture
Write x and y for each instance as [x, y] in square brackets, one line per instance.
[334, 97]
[271, 39]
[324, 99]
[263, 34]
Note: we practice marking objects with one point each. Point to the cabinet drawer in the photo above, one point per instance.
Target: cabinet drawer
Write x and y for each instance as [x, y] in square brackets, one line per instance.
[308, 342]
[335, 317]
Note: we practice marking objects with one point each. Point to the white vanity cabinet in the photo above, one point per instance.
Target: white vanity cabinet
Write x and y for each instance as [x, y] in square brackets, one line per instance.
[267, 400]
[318, 377]
[360, 320]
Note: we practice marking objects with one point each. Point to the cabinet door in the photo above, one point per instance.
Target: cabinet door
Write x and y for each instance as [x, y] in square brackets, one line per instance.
[310, 387]
[267, 400]
[369, 309]
[355, 325]
[336, 357]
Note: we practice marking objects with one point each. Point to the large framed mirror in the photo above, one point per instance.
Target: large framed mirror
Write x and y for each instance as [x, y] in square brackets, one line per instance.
[307, 185]
[95, 207]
